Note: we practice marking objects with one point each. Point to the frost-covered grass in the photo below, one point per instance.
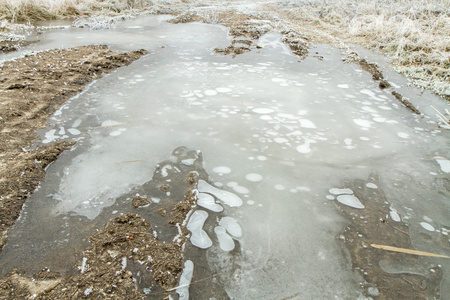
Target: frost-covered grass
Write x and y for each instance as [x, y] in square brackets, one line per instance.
[414, 33]
[26, 10]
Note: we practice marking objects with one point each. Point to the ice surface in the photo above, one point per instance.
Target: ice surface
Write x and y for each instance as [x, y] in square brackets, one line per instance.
[207, 201]
[185, 280]
[199, 237]
[225, 241]
[226, 197]
[231, 225]
[350, 200]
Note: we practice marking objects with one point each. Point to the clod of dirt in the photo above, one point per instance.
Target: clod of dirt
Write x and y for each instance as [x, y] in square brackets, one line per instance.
[140, 201]
[372, 225]
[233, 50]
[296, 42]
[405, 102]
[9, 46]
[187, 17]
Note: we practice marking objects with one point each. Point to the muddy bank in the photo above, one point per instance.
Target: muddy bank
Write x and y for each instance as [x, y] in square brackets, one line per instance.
[139, 254]
[31, 89]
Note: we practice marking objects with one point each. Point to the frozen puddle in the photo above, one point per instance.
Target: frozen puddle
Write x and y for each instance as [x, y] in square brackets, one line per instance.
[276, 138]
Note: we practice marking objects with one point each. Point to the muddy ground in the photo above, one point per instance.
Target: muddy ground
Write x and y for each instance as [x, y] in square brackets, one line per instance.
[33, 87]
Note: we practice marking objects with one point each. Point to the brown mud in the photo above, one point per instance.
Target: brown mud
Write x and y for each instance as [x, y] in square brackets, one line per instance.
[31, 89]
[373, 225]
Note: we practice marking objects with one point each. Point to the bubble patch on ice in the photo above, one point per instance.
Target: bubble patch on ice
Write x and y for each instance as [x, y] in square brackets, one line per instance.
[207, 201]
[226, 197]
[350, 200]
[231, 225]
[336, 191]
[185, 280]
[253, 177]
[199, 237]
[222, 170]
[226, 242]
[371, 185]
[427, 226]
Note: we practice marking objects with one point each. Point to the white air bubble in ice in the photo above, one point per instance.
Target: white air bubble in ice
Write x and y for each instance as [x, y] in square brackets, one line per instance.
[261, 157]
[279, 187]
[336, 191]
[241, 189]
[164, 169]
[253, 177]
[185, 280]
[226, 197]
[210, 92]
[394, 215]
[307, 124]
[403, 135]
[343, 86]
[280, 140]
[263, 110]
[362, 123]
[199, 237]
[222, 170]
[444, 164]
[207, 201]
[226, 242]
[427, 226]
[223, 90]
[350, 200]
[231, 225]
[371, 185]
[188, 162]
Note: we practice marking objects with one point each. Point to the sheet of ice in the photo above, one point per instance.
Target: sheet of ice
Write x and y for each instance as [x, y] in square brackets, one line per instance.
[199, 237]
[225, 240]
[427, 226]
[185, 280]
[337, 191]
[350, 200]
[226, 197]
[231, 225]
[207, 201]
[444, 164]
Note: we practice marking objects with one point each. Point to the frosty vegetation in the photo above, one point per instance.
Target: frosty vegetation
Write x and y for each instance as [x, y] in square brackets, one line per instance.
[415, 35]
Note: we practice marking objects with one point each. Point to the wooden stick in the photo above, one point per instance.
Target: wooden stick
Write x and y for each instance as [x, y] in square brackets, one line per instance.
[407, 251]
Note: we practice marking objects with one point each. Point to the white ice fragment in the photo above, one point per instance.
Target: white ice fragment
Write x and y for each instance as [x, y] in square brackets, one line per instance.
[371, 185]
[222, 170]
[444, 164]
[88, 291]
[253, 177]
[124, 263]
[373, 291]
[263, 110]
[350, 200]
[225, 241]
[164, 170]
[83, 265]
[199, 237]
[50, 136]
[362, 123]
[231, 225]
[207, 201]
[427, 226]
[307, 124]
[185, 280]
[226, 197]
[336, 191]
[188, 162]
[155, 200]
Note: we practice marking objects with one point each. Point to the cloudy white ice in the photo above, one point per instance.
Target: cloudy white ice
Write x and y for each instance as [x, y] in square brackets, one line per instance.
[278, 134]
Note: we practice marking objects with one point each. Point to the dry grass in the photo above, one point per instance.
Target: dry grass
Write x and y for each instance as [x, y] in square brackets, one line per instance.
[29, 10]
[414, 34]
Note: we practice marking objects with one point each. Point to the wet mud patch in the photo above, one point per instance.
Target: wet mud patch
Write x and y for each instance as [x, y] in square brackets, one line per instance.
[31, 89]
[388, 275]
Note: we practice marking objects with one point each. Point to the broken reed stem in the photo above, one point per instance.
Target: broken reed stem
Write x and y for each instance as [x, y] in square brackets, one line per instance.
[407, 251]
[441, 116]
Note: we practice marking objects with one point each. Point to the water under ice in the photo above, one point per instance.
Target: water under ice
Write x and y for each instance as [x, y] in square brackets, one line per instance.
[281, 132]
